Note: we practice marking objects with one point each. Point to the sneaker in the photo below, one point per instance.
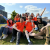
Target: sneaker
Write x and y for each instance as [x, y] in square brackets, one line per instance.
[13, 38]
[48, 37]
[30, 43]
[17, 44]
[5, 36]
[0, 37]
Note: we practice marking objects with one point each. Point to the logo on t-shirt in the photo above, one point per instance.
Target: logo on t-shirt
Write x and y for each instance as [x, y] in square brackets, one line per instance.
[40, 26]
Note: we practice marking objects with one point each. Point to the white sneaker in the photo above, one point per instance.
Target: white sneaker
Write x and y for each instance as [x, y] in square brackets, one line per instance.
[0, 37]
[5, 36]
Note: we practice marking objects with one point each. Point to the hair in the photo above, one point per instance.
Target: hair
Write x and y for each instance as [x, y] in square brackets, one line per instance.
[22, 17]
[18, 14]
[40, 20]
[27, 14]
[9, 22]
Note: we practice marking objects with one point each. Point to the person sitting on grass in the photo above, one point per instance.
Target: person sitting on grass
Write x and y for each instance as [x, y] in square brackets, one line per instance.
[7, 29]
[29, 29]
[41, 27]
[18, 29]
[17, 18]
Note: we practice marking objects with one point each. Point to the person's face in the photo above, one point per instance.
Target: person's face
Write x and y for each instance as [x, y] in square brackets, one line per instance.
[22, 14]
[37, 14]
[21, 20]
[38, 19]
[10, 21]
[29, 18]
[32, 14]
[26, 15]
[17, 15]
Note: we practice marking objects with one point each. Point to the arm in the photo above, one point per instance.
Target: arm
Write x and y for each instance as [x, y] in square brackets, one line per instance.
[28, 21]
[4, 17]
[10, 27]
[36, 28]
[42, 12]
[45, 26]
[14, 26]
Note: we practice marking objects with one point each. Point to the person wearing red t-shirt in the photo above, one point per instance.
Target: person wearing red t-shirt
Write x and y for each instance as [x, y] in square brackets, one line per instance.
[29, 29]
[18, 29]
[17, 18]
[33, 18]
[7, 29]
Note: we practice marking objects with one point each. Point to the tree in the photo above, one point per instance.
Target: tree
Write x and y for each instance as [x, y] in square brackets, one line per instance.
[13, 15]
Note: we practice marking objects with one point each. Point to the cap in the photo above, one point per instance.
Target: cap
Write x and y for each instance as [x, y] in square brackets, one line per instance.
[39, 17]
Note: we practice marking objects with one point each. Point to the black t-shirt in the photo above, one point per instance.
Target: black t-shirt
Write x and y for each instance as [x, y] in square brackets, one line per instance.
[40, 25]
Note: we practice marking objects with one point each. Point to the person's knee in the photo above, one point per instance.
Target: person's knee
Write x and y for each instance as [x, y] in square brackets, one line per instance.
[2, 27]
[26, 31]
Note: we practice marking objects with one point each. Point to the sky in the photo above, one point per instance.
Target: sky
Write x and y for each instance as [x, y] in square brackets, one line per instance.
[27, 7]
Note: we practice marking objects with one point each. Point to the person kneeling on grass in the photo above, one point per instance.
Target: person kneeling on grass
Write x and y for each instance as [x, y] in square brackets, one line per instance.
[29, 29]
[7, 29]
[18, 29]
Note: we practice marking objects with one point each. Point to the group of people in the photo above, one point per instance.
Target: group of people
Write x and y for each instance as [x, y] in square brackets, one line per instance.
[29, 22]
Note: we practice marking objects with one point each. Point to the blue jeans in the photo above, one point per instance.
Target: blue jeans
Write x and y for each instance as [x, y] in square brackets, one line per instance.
[5, 31]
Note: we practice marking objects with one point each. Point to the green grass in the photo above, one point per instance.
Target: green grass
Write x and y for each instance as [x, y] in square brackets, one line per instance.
[22, 41]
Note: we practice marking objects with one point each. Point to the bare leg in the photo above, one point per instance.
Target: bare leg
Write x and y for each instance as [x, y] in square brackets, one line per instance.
[27, 35]
[38, 35]
[26, 32]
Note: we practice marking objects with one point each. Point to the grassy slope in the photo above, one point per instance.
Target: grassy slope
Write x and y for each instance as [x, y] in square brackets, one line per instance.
[22, 41]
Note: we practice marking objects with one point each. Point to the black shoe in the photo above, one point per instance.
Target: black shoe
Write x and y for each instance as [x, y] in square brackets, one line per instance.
[13, 38]
[30, 43]
[48, 37]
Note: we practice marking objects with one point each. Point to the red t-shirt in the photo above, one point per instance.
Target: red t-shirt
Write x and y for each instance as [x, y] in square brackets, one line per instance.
[20, 26]
[16, 19]
[10, 24]
[34, 19]
[29, 26]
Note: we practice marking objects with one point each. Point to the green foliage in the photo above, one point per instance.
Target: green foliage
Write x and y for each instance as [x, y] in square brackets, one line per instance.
[13, 15]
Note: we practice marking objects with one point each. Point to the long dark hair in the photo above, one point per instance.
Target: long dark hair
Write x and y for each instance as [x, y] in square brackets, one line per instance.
[10, 23]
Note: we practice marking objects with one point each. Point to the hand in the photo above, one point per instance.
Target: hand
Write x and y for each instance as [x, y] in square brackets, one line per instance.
[41, 29]
[30, 32]
[26, 21]
[1, 15]
[6, 26]
[44, 8]
[18, 30]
